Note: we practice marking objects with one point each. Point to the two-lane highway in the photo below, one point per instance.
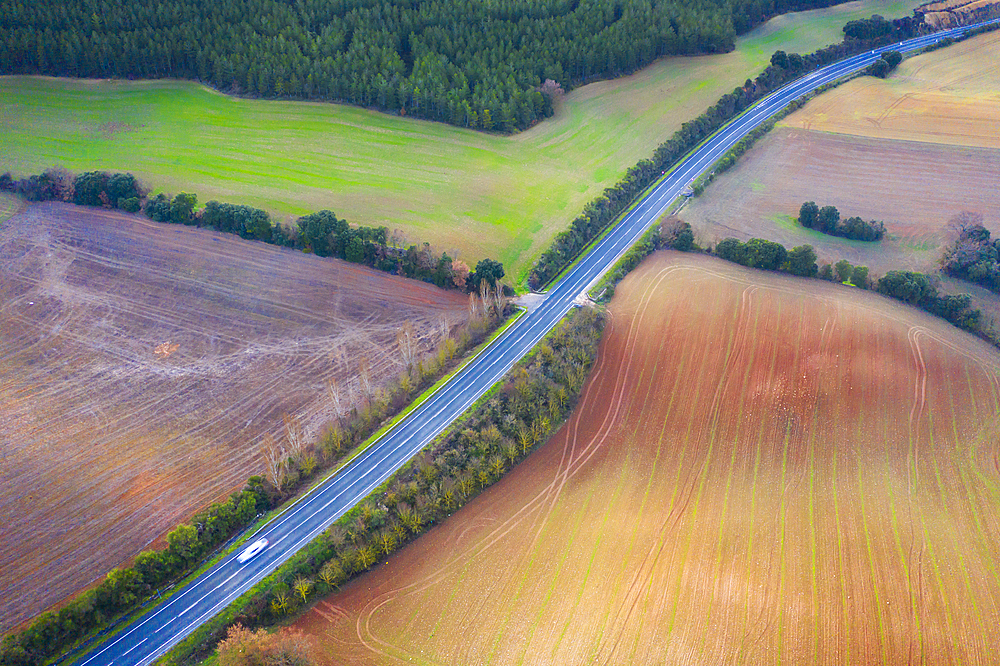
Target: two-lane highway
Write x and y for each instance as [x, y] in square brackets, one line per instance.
[152, 635]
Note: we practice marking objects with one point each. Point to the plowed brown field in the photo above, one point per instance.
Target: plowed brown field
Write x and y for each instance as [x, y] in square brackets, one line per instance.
[140, 364]
[761, 470]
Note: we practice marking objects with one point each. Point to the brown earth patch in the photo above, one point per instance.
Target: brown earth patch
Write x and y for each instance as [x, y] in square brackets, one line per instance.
[140, 366]
[761, 470]
[110, 129]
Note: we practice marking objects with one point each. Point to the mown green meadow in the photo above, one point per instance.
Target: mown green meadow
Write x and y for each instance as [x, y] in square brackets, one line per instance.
[466, 192]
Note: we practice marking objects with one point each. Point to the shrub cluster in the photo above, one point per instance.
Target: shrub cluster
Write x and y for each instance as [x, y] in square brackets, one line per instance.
[768, 255]
[504, 427]
[918, 289]
[603, 210]
[886, 62]
[974, 256]
[914, 288]
[321, 233]
[827, 220]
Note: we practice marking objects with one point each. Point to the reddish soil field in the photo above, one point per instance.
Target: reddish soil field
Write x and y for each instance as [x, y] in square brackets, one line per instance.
[140, 366]
[761, 470]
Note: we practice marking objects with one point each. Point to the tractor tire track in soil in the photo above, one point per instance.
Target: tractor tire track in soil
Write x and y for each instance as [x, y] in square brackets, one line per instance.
[141, 364]
[739, 484]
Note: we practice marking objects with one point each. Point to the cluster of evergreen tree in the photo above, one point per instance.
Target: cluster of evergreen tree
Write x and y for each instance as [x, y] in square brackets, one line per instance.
[475, 64]
[603, 210]
[827, 220]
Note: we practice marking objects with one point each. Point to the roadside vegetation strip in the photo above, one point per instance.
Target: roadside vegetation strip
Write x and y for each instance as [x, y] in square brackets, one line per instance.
[124, 589]
[603, 211]
[798, 432]
[484, 195]
[473, 453]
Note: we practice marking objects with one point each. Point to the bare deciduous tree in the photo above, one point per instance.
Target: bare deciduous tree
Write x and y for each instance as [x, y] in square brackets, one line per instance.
[274, 456]
[333, 391]
[295, 436]
[365, 377]
[407, 340]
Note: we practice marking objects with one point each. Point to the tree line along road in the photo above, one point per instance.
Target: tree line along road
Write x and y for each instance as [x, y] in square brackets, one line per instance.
[152, 635]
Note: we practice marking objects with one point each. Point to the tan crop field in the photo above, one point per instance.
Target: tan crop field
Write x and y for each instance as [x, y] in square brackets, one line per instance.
[774, 472]
[140, 366]
[949, 96]
[915, 188]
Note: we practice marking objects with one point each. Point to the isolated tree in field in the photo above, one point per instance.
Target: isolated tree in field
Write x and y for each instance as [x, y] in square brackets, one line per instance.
[302, 586]
[828, 219]
[294, 435]
[365, 378]
[487, 270]
[809, 215]
[844, 269]
[332, 573]
[333, 392]
[460, 273]
[281, 599]
[764, 254]
[386, 542]
[182, 208]
[859, 277]
[731, 249]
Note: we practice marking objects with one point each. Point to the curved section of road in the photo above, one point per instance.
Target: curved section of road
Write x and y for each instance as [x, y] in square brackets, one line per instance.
[153, 634]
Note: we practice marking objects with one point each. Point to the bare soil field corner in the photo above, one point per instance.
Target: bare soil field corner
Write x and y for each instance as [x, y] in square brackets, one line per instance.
[140, 366]
[761, 470]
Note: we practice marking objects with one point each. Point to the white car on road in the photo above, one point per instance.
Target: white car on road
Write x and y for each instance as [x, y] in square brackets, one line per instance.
[251, 550]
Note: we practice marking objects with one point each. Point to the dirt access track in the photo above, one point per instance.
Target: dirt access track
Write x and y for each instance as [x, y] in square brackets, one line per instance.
[761, 470]
[140, 366]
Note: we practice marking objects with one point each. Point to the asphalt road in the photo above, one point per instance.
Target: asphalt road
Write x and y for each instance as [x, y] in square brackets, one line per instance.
[154, 634]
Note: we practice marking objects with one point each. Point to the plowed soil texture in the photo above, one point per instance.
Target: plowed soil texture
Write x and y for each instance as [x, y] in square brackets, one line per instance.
[913, 151]
[141, 365]
[761, 470]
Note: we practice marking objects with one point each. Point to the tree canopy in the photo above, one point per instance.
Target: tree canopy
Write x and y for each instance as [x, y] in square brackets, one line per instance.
[476, 64]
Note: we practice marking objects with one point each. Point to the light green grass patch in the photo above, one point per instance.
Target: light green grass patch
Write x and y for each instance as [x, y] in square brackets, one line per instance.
[468, 193]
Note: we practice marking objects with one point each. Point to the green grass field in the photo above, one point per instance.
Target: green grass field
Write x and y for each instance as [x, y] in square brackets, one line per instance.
[465, 192]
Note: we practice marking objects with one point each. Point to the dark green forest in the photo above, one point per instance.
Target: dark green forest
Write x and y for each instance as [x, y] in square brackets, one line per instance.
[478, 64]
